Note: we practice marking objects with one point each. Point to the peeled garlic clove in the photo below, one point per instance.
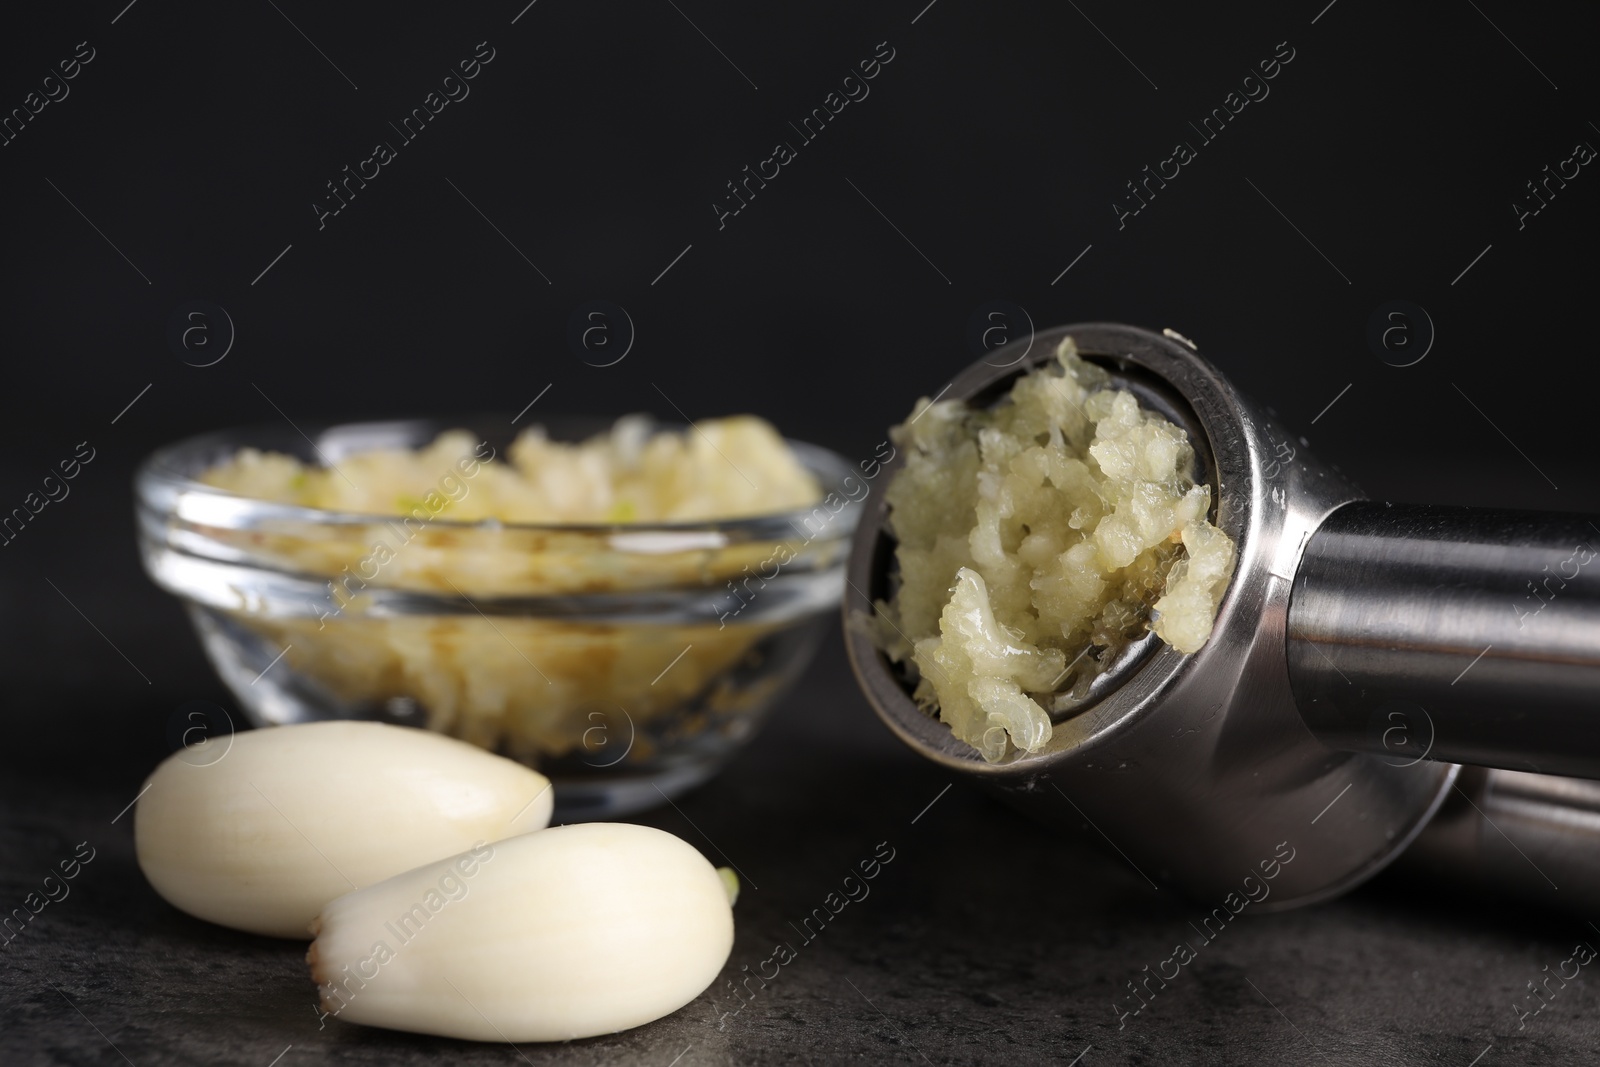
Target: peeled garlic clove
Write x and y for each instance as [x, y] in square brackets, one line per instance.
[566, 933]
[292, 816]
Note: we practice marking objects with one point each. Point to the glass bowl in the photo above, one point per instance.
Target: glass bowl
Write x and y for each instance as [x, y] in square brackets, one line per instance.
[626, 662]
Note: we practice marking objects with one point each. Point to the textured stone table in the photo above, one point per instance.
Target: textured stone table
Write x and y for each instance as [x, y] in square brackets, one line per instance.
[984, 940]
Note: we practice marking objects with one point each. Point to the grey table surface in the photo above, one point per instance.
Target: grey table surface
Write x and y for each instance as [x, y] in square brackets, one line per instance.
[986, 939]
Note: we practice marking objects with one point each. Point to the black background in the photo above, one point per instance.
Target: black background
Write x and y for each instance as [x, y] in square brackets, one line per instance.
[986, 158]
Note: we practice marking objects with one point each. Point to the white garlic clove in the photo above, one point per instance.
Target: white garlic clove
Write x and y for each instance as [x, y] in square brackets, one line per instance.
[292, 816]
[566, 933]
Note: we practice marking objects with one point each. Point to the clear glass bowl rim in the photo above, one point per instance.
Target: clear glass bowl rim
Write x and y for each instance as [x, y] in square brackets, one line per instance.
[164, 469]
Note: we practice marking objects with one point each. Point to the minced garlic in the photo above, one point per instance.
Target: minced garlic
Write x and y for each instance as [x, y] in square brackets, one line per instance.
[1036, 539]
[528, 686]
[722, 469]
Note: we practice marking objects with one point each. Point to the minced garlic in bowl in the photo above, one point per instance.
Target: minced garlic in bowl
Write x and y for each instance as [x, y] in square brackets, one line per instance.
[631, 474]
[620, 607]
[1036, 539]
